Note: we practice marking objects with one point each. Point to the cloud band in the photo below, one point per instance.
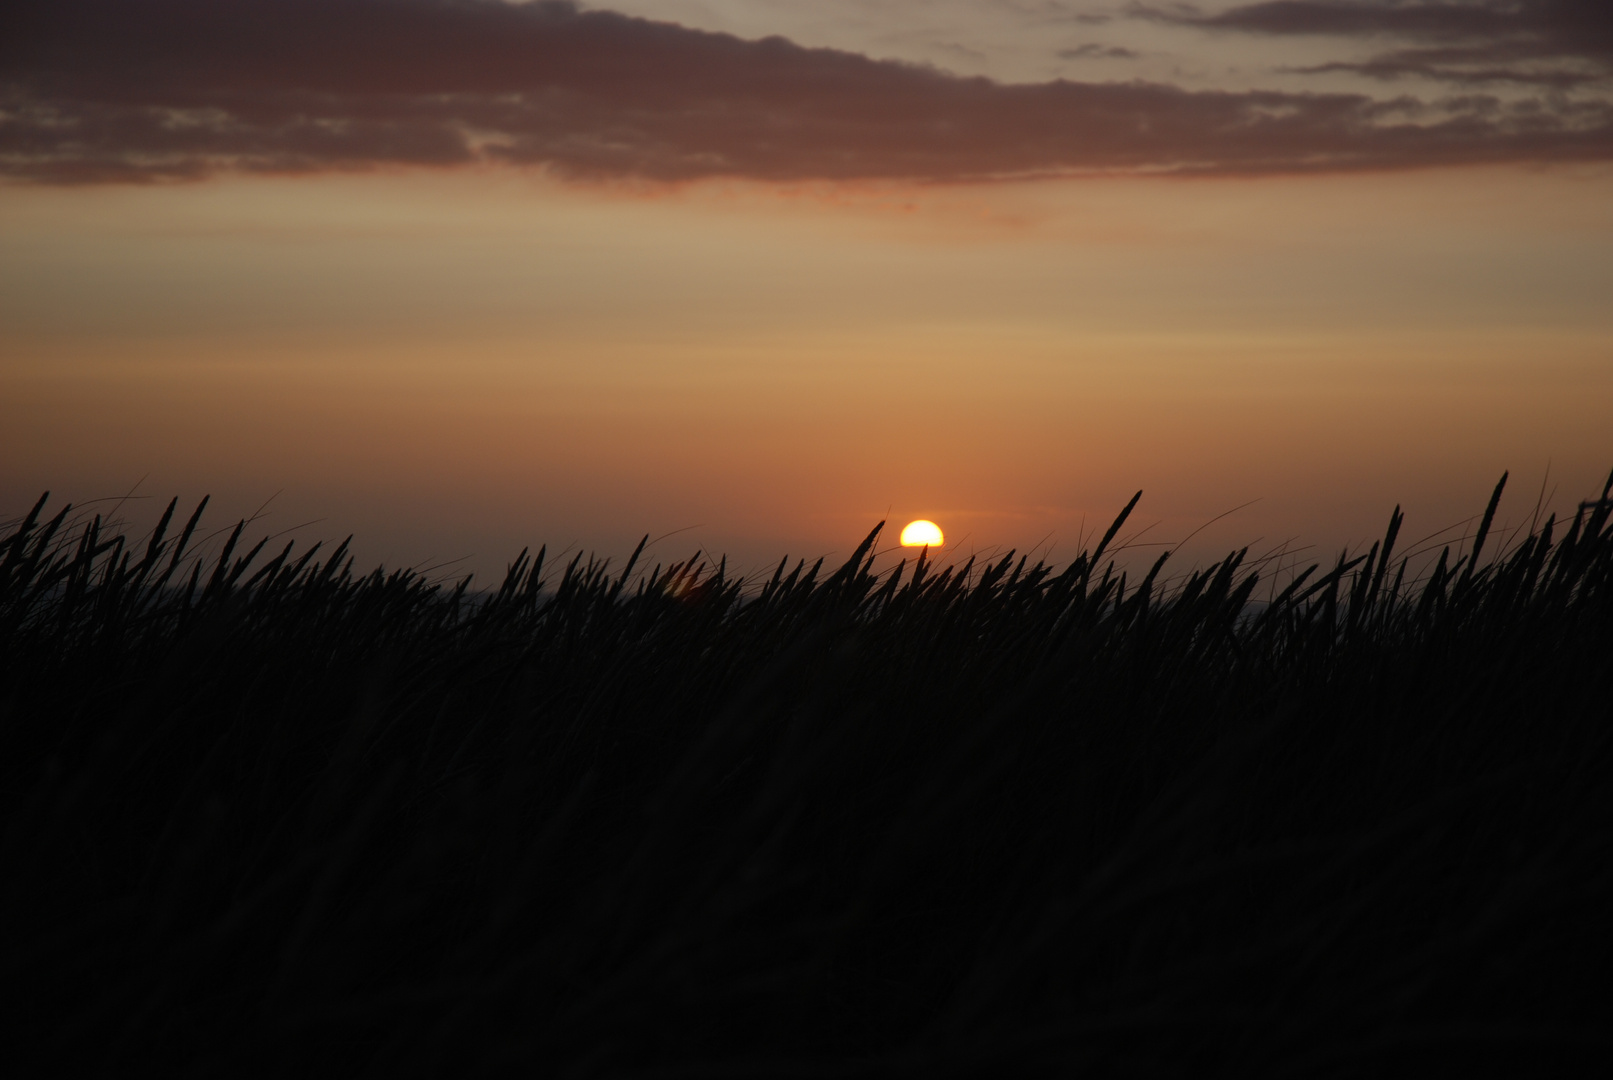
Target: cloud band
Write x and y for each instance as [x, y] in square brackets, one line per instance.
[131, 90]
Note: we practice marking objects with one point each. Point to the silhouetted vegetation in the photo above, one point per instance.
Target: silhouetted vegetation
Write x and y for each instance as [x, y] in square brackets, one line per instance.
[263, 813]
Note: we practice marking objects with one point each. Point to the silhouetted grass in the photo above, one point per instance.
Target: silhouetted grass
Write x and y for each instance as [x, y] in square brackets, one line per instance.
[265, 814]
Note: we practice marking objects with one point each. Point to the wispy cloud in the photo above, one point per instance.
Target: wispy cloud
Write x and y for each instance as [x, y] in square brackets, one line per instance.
[1093, 51]
[120, 90]
[1542, 42]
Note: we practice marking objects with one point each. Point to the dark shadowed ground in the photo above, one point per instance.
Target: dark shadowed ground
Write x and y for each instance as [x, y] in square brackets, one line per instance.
[272, 814]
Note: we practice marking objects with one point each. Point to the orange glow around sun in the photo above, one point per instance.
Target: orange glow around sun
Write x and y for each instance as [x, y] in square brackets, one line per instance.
[921, 534]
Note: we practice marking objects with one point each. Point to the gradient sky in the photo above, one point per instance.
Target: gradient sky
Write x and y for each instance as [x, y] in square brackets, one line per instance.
[464, 276]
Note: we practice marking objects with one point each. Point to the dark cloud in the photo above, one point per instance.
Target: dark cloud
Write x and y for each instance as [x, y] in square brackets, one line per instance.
[1408, 65]
[1351, 17]
[1097, 52]
[97, 90]
[1560, 43]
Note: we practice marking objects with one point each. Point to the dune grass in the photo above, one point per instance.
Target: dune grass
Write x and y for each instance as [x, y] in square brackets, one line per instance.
[265, 813]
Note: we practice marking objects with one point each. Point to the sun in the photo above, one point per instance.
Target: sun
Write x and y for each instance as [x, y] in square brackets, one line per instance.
[922, 534]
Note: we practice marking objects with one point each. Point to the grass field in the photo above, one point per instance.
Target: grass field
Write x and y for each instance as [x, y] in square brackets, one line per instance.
[267, 813]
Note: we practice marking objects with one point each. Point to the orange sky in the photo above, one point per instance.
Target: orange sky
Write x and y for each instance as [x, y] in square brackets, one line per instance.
[457, 362]
[457, 365]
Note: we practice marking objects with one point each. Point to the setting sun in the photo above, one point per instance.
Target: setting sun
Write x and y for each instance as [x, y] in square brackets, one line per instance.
[921, 534]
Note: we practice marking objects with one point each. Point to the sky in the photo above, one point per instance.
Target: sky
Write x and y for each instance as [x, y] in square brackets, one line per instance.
[460, 276]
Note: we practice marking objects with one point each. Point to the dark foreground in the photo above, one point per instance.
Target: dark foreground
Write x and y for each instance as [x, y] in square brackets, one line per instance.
[266, 815]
